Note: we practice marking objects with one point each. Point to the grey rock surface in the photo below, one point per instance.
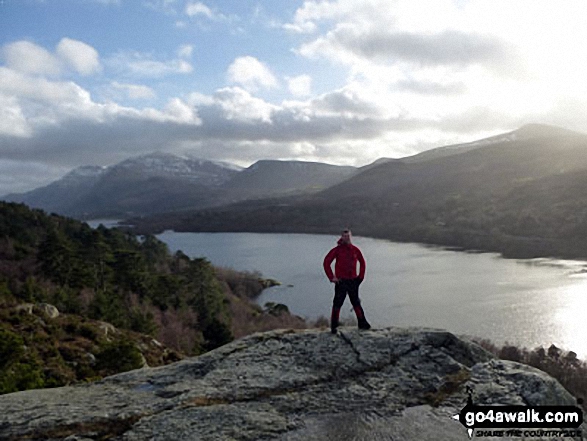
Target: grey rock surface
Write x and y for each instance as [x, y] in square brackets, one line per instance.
[386, 384]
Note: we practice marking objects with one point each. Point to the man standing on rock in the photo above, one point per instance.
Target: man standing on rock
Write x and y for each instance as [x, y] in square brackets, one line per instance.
[345, 279]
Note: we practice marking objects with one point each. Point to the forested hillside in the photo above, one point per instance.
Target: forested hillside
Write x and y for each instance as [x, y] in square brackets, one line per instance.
[111, 291]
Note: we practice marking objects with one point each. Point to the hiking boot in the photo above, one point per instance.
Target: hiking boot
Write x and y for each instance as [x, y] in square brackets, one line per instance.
[333, 326]
[364, 324]
[334, 319]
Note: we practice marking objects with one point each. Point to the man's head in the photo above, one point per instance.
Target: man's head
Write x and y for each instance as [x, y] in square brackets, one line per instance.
[346, 236]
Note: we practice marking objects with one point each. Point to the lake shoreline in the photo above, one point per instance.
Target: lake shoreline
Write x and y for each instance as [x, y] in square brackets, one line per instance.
[527, 302]
[507, 253]
[524, 256]
[514, 252]
[244, 219]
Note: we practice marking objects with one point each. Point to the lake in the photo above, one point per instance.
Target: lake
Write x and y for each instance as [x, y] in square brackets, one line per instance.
[524, 302]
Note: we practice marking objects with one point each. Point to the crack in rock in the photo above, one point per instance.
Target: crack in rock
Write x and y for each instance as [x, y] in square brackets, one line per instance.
[349, 341]
[96, 430]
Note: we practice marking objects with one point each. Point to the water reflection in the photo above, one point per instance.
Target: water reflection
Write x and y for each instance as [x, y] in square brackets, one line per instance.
[570, 316]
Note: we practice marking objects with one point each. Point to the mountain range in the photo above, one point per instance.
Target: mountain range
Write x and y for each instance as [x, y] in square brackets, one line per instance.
[161, 182]
[521, 193]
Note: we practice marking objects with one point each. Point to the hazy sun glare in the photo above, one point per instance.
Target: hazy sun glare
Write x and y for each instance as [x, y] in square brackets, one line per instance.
[571, 316]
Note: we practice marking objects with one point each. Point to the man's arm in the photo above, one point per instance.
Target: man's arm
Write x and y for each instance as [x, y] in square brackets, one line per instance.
[362, 264]
[327, 262]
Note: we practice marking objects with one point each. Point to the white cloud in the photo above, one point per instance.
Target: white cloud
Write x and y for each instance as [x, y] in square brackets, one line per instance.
[203, 16]
[36, 104]
[354, 101]
[138, 64]
[198, 8]
[185, 51]
[73, 55]
[83, 58]
[30, 58]
[314, 14]
[250, 73]
[300, 86]
[134, 91]
[42, 101]
[238, 104]
[182, 112]
[197, 99]
[300, 28]
[164, 6]
[306, 17]
[443, 48]
[12, 119]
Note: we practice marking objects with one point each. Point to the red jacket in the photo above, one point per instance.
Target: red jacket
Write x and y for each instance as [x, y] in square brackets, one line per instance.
[346, 256]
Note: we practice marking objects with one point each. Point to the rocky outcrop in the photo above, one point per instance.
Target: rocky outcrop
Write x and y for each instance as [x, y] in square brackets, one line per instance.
[43, 308]
[49, 310]
[393, 383]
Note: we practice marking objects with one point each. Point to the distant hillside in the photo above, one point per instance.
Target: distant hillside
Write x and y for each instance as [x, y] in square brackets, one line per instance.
[524, 133]
[162, 182]
[269, 178]
[78, 303]
[62, 195]
[123, 191]
[521, 194]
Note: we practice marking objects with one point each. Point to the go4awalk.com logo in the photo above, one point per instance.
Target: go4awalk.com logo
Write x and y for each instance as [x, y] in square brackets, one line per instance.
[520, 421]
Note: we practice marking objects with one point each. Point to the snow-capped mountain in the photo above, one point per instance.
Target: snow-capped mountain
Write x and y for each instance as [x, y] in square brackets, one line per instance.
[197, 170]
[81, 175]
[147, 183]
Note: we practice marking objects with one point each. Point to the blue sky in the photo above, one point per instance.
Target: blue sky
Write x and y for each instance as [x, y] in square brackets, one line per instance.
[343, 81]
[157, 30]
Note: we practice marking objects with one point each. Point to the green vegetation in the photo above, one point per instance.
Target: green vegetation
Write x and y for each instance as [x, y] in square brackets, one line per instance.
[119, 356]
[37, 350]
[17, 371]
[105, 274]
[122, 301]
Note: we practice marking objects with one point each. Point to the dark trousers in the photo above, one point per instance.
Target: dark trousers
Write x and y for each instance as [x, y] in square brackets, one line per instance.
[341, 289]
[344, 287]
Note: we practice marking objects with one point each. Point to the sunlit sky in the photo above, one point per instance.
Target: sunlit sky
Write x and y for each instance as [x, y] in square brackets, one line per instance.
[93, 82]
